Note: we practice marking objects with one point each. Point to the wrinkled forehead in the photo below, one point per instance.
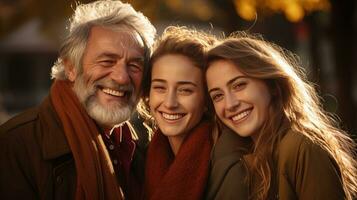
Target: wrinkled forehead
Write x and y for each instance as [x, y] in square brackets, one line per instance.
[129, 37]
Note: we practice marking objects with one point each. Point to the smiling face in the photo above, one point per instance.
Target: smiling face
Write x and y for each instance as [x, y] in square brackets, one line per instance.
[176, 99]
[240, 102]
[109, 84]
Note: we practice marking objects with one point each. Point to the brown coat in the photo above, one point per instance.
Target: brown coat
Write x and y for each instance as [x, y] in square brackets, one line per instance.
[35, 159]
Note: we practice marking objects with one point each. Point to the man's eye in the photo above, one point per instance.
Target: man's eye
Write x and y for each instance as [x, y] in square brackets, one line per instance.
[134, 67]
[107, 63]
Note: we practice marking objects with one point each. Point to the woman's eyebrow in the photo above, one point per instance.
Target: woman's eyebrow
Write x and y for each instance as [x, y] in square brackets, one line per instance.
[230, 82]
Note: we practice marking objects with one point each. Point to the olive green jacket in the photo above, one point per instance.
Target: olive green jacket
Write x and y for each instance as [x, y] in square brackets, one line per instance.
[228, 171]
[303, 170]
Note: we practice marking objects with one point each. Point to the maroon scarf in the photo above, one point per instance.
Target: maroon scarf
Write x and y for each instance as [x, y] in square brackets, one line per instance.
[183, 176]
[95, 174]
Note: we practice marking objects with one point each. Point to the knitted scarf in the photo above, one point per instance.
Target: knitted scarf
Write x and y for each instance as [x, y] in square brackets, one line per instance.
[183, 176]
[95, 175]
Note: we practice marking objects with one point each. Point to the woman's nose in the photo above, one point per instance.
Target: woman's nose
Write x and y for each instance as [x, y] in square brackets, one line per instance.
[171, 100]
[231, 102]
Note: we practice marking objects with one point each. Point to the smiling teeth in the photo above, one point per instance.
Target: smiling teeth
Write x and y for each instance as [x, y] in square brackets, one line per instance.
[241, 115]
[113, 92]
[171, 117]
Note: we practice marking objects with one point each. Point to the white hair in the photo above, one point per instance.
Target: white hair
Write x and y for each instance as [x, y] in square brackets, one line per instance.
[106, 13]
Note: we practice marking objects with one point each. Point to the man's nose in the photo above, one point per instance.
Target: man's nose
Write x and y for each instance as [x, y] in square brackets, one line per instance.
[120, 73]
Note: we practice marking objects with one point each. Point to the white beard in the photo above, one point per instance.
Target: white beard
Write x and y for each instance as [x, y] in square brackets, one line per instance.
[108, 115]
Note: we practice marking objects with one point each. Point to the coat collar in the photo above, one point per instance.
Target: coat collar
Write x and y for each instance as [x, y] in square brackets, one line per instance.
[51, 135]
[230, 143]
[227, 155]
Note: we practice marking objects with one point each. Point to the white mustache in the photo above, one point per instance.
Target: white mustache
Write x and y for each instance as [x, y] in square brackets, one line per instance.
[115, 86]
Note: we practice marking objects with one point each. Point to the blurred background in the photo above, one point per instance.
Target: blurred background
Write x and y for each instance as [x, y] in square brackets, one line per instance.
[321, 32]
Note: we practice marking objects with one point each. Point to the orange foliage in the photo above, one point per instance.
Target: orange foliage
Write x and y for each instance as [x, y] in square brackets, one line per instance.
[294, 10]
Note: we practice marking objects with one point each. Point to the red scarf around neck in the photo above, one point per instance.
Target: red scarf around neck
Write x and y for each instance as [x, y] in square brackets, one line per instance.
[183, 176]
[95, 175]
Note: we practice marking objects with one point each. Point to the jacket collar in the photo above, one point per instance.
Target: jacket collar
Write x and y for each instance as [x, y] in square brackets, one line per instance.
[230, 143]
[51, 136]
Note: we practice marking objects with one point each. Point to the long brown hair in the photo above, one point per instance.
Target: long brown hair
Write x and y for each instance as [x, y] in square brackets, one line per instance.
[295, 105]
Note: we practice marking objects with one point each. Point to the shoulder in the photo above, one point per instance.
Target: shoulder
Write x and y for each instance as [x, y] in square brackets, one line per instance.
[295, 146]
[17, 134]
[307, 169]
[299, 158]
[227, 179]
[231, 145]
[228, 171]
[227, 155]
[290, 144]
[19, 124]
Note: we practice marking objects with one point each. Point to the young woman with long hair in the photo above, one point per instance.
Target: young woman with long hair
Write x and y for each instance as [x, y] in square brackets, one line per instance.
[259, 91]
[175, 94]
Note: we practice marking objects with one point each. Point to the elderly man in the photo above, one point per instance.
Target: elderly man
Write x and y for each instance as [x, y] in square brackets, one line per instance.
[67, 147]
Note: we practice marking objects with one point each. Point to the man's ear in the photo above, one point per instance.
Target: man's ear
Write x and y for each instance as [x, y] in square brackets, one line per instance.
[70, 70]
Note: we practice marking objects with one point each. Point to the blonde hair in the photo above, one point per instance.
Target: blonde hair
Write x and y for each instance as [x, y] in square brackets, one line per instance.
[106, 13]
[299, 106]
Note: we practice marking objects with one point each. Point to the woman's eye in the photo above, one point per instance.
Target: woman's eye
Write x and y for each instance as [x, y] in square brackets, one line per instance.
[159, 89]
[239, 85]
[185, 91]
[216, 97]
